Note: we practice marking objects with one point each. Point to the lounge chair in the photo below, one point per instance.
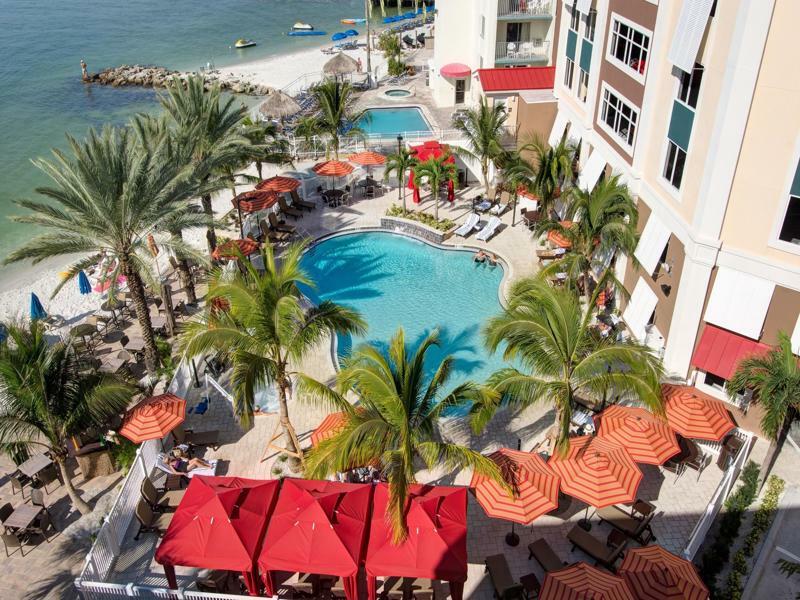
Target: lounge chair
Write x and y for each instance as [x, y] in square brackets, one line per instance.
[637, 529]
[273, 236]
[505, 588]
[550, 254]
[288, 210]
[196, 438]
[489, 230]
[149, 521]
[278, 226]
[469, 225]
[545, 555]
[160, 500]
[595, 548]
[531, 217]
[300, 203]
[161, 465]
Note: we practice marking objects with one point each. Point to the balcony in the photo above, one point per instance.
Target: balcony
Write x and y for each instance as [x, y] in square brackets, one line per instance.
[523, 10]
[522, 53]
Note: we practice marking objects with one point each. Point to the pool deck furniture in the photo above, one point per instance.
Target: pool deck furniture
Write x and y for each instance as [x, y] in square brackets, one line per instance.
[505, 587]
[22, 517]
[638, 529]
[149, 521]
[196, 438]
[333, 197]
[545, 555]
[288, 210]
[469, 225]
[595, 547]
[160, 500]
[531, 584]
[489, 230]
[35, 465]
[278, 226]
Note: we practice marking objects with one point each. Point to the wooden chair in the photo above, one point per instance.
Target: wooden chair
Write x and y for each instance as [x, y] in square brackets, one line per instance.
[278, 226]
[288, 210]
[300, 203]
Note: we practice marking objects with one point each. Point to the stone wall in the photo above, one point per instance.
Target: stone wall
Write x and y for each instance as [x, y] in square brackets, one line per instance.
[414, 228]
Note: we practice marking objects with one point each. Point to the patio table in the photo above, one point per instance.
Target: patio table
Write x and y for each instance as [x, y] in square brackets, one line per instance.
[35, 465]
[334, 197]
[112, 365]
[83, 331]
[135, 345]
[23, 516]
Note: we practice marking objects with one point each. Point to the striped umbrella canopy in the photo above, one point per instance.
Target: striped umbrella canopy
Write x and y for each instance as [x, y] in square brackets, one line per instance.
[153, 418]
[557, 238]
[582, 582]
[694, 414]
[330, 426]
[333, 168]
[535, 486]
[228, 249]
[647, 438]
[367, 159]
[653, 573]
[254, 200]
[599, 472]
[279, 184]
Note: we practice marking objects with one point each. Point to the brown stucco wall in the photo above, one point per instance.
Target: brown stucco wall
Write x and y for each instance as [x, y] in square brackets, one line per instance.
[782, 315]
[558, 7]
[534, 119]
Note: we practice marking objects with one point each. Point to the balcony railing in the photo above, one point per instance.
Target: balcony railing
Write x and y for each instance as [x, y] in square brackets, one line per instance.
[531, 50]
[523, 9]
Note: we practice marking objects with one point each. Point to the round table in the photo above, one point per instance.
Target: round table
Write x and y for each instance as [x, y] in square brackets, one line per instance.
[334, 197]
[83, 331]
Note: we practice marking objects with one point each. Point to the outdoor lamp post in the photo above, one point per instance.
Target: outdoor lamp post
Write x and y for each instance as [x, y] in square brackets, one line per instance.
[400, 176]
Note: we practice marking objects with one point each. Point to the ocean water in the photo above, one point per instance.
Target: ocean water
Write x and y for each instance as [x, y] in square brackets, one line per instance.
[42, 43]
[394, 281]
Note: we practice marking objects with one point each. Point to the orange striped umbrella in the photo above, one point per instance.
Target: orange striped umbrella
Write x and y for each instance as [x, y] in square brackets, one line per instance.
[694, 414]
[535, 485]
[597, 471]
[333, 168]
[647, 438]
[278, 184]
[153, 418]
[228, 249]
[582, 582]
[254, 200]
[559, 239]
[653, 573]
[367, 159]
[330, 426]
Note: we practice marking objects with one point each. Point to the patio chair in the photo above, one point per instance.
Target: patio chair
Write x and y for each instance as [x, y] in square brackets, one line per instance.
[637, 529]
[47, 476]
[278, 226]
[276, 237]
[545, 555]
[595, 548]
[5, 511]
[469, 225]
[288, 210]
[300, 203]
[337, 589]
[489, 230]
[698, 463]
[37, 499]
[194, 439]
[11, 540]
[42, 525]
[530, 217]
[511, 50]
[18, 482]
[505, 588]
[305, 586]
[150, 522]
[160, 500]
[422, 589]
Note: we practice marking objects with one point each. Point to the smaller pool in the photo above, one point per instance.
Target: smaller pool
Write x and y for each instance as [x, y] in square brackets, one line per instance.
[398, 93]
[391, 121]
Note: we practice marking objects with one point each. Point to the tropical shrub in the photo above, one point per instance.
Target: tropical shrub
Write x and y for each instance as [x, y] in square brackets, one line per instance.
[420, 217]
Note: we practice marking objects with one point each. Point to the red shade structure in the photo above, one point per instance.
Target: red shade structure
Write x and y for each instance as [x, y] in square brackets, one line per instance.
[559, 239]
[436, 547]
[153, 418]
[426, 151]
[330, 426]
[653, 573]
[333, 168]
[367, 159]
[278, 184]
[317, 527]
[254, 201]
[581, 582]
[219, 524]
[597, 471]
[694, 414]
[647, 438]
[455, 70]
[228, 250]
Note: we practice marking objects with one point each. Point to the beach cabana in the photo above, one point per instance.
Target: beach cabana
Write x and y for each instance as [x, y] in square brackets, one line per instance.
[341, 64]
[278, 105]
[219, 524]
[694, 414]
[317, 527]
[436, 546]
[647, 438]
[580, 581]
[153, 418]
[653, 573]
[426, 151]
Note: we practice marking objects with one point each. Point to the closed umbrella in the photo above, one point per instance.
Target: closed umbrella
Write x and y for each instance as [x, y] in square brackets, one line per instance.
[83, 284]
[153, 418]
[278, 105]
[694, 414]
[653, 573]
[582, 581]
[647, 438]
[341, 64]
[37, 310]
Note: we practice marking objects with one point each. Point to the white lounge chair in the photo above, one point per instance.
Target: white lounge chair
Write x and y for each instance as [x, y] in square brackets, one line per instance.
[469, 225]
[212, 470]
[489, 230]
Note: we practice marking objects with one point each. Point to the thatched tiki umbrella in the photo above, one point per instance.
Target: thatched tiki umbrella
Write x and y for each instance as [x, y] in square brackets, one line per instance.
[278, 105]
[341, 64]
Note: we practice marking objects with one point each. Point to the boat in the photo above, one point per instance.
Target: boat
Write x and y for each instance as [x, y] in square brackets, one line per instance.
[353, 21]
[243, 43]
[306, 32]
[300, 26]
[338, 36]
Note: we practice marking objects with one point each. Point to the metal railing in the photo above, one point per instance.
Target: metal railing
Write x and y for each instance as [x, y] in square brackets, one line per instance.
[530, 50]
[524, 8]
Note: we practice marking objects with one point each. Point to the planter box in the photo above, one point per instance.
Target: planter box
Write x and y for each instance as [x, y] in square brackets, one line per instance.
[415, 228]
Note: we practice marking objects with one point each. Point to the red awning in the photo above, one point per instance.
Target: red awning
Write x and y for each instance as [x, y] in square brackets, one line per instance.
[516, 80]
[720, 351]
[455, 70]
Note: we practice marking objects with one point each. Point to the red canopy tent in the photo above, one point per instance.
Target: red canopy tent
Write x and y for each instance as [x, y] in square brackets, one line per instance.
[219, 524]
[317, 527]
[426, 151]
[436, 547]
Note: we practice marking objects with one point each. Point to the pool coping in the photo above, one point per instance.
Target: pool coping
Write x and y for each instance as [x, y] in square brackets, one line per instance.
[420, 107]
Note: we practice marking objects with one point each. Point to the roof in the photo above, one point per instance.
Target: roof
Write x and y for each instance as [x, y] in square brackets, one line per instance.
[514, 80]
[720, 351]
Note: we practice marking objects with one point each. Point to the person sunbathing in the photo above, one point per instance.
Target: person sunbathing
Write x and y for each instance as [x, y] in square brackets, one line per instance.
[179, 462]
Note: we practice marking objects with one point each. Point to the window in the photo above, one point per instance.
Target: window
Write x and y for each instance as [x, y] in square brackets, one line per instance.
[591, 19]
[629, 46]
[583, 85]
[790, 231]
[569, 71]
[715, 381]
[619, 117]
[676, 161]
[689, 88]
[575, 18]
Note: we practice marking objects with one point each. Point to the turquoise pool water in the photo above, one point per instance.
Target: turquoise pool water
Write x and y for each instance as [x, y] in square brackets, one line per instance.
[391, 121]
[397, 281]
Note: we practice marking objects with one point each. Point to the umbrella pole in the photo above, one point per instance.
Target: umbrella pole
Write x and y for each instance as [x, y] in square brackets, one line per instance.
[585, 523]
[512, 539]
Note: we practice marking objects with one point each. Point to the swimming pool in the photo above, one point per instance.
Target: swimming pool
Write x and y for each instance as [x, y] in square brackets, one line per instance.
[394, 280]
[391, 121]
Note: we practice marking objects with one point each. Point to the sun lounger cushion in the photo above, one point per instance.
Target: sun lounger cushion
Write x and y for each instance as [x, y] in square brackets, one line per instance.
[489, 230]
[620, 519]
[212, 470]
[594, 547]
[470, 224]
[545, 555]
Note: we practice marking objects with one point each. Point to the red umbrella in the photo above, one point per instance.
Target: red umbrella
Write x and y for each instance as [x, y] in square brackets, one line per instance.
[279, 184]
[333, 168]
[652, 573]
[219, 524]
[647, 438]
[582, 582]
[559, 239]
[317, 527]
[330, 426]
[598, 472]
[254, 201]
[228, 250]
[153, 418]
[436, 546]
[367, 159]
[694, 414]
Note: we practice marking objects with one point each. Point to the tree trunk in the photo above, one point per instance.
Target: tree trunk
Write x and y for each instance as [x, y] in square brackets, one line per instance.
[295, 461]
[77, 502]
[211, 233]
[403, 190]
[185, 275]
[775, 447]
[143, 316]
[485, 173]
[436, 206]
[586, 291]
[258, 169]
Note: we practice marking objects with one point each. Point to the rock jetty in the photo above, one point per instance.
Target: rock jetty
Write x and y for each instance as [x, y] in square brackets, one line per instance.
[159, 77]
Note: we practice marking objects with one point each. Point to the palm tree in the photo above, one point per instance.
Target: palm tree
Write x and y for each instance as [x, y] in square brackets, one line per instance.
[212, 128]
[545, 331]
[336, 117]
[546, 175]
[775, 380]
[483, 129]
[400, 162]
[395, 422]
[45, 398]
[108, 196]
[266, 331]
[307, 129]
[436, 171]
[269, 147]
[603, 224]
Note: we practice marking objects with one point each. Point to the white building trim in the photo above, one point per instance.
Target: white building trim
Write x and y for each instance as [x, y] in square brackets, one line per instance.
[641, 305]
[652, 242]
[689, 32]
[739, 302]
